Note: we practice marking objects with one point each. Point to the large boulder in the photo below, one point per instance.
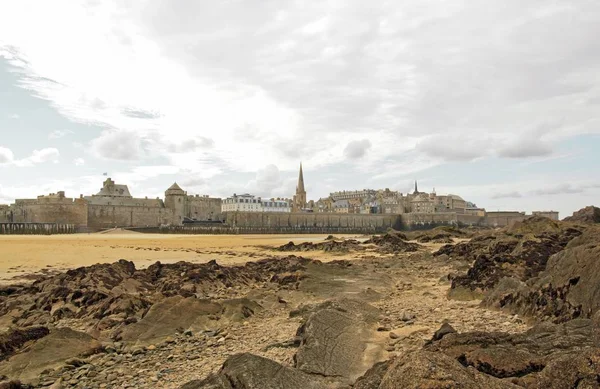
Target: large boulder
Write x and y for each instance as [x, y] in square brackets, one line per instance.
[178, 313]
[339, 339]
[589, 215]
[567, 289]
[528, 358]
[431, 370]
[248, 371]
[48, 352]
[520, 252]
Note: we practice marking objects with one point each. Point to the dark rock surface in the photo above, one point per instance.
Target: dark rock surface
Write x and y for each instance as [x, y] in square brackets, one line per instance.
[393, 243]
[331, 245]
[521, 252]
[569, 287]
[247, 371]
[111, 296]
[14, 339]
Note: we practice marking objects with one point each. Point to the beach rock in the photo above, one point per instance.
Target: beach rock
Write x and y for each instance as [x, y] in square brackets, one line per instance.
[521, 252]
[337, 340]
[568, 288]
[247, 371]
[588, 215]
[48, 352]
[393, 243]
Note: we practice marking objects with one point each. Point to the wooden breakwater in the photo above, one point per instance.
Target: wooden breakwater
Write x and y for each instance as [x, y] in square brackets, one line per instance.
[36, 228]
[227, 230]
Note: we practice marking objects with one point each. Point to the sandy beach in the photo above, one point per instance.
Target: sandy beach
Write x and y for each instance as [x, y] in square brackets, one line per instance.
[22, 255]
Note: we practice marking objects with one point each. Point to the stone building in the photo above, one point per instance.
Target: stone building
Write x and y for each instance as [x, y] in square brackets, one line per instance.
[114, 206]
[249, 203]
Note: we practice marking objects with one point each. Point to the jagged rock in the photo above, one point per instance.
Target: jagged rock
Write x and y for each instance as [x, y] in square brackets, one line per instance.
[247, 371]
[423, 369]
[589, 214]
[527, 358]
[520, 252]
[392, 243]
[48, 352]
[337, 340]
[330, 245]
[567, 289]
[111, 296]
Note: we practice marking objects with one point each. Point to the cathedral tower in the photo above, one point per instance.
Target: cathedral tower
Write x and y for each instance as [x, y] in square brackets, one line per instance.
[300, 197]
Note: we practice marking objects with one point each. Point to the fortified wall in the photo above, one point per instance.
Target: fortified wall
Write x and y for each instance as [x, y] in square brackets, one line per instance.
[113, 206]
[53, 208]
[306, 221]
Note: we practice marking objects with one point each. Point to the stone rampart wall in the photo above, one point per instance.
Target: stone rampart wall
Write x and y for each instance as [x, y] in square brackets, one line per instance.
[103, 216]
[203, 208]
[65, 212]
[503, 221]
[36, 228]
[274, 220]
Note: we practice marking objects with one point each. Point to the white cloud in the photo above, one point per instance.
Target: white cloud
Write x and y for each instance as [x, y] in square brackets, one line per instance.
[79, 161]
[14, 116]
[6, 155]
[46, 155]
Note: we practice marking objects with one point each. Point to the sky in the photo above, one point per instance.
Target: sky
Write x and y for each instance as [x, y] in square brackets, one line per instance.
[497, 101]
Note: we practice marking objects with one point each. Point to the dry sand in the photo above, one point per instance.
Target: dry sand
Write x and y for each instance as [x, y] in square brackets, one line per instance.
[23, 255]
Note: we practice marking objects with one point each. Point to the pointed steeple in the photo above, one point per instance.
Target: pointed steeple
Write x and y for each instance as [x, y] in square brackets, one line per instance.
[300, 187]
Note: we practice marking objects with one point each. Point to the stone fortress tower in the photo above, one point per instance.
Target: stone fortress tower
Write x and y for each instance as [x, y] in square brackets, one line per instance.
[175, 199]
[300, 196]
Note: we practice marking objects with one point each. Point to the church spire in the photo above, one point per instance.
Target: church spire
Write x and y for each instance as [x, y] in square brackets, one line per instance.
[300, 187]
[416, 190]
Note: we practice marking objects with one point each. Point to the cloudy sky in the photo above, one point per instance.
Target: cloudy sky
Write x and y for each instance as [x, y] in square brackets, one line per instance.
[497, 101]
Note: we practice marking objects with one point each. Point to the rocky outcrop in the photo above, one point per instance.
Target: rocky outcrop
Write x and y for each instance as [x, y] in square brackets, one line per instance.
[247, 371]
[110, 296]
[525, 358]
[568, 288]
[331, 245]
[520, 252]
[393, 243]
[587, 215]
[423, 369]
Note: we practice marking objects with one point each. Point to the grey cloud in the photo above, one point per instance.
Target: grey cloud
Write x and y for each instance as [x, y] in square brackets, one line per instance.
[452, 148]
[191, 145]
[357, 149]
[139, 114]
[507, 195]
[119, 145]
[462, 65]
[558, 189]
[525, 148]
